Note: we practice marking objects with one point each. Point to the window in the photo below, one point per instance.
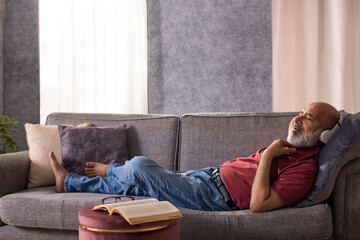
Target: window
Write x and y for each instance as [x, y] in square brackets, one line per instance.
[93, 56]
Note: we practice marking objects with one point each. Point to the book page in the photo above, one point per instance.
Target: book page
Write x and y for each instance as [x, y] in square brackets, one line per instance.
[110, 206]
[148, 212]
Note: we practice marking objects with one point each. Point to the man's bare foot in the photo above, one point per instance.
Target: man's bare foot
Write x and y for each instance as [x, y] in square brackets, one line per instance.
[94, 169]
[59, 172]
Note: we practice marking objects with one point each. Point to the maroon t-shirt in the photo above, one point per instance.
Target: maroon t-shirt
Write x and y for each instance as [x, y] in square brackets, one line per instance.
[291, 175]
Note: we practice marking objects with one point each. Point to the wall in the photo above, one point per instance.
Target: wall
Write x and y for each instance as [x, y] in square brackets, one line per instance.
[203, 56]
[21, 64]
[209, 56]
[1, 58]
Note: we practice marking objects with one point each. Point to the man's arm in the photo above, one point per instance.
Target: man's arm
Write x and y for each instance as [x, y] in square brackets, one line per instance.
[263, 198]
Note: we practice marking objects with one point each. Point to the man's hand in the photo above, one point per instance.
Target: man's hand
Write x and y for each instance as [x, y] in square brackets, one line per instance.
[279, 147]
[263, 198]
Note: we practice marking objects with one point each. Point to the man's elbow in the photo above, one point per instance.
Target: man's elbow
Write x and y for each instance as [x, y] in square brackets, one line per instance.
[264, 206]
[273, 201]
[257, 207]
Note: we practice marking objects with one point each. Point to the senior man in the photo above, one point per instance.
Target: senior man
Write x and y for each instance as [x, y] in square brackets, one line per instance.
[273, 177]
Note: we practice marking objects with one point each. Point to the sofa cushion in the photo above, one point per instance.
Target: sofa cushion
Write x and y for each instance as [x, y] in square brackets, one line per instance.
[80, 145]
[41, 140]
[343, 147]
[154, 136]
[21, 233]
[313, 222]
[36, 208]
[211, 139]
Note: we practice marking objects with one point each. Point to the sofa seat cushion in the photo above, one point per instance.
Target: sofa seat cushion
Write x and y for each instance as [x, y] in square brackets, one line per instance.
[313, 222]
[42, 207]
[21, 233]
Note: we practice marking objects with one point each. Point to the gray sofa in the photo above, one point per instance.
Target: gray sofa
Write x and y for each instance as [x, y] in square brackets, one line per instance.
[191, 141]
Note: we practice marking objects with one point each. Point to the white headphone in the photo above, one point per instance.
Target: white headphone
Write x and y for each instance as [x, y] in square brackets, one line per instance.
[326, 135]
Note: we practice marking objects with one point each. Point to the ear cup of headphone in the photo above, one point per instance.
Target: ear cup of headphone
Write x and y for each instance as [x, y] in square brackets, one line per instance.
[327, 134]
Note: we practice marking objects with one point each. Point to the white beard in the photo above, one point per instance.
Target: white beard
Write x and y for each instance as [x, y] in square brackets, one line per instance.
[302, 140]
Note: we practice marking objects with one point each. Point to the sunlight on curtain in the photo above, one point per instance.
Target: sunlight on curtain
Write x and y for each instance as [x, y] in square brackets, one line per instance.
[316, 53]
[93, 56]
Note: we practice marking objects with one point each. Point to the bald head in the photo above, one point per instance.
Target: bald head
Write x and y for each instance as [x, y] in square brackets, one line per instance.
[305, 129]
[327, 115]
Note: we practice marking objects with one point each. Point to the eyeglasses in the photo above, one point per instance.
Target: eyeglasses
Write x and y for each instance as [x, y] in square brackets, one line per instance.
[115, 199]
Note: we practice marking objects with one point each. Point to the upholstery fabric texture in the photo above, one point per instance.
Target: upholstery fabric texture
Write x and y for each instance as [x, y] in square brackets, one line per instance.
[42, 139]
[345, 202]
[14, 170]
[207, 139]
[214, 138]
[20, 233]
[154, 136]
[312, 222]
[16, 208]
[343, 147]
[104, 144]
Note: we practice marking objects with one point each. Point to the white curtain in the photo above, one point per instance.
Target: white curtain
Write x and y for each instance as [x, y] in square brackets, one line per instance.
[316, 53]
[93, 56]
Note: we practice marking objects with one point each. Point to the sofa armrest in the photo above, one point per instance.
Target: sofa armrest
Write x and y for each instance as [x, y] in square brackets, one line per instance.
[14, 171]
[345, 202]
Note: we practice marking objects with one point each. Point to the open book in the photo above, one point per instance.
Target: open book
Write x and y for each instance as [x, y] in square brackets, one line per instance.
[142, 211]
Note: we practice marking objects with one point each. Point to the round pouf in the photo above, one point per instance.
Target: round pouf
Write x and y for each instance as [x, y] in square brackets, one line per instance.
[100, 225]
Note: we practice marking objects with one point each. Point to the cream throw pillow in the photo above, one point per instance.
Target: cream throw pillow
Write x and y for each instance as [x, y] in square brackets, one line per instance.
[42, 139]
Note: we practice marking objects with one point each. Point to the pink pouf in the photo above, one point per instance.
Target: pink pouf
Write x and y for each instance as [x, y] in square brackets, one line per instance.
[100, 225]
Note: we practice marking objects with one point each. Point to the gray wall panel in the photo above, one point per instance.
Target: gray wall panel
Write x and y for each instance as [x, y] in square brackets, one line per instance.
[209, 56]
[21, 64]
[1, 57]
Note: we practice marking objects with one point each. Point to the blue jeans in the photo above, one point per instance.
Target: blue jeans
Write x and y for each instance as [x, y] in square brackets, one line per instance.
[143, 177]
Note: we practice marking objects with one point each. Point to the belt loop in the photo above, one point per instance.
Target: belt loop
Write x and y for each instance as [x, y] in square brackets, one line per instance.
[219, 184]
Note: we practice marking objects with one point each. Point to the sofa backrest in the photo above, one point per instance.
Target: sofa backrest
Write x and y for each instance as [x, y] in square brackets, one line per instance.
[211, 139]
[154, 136]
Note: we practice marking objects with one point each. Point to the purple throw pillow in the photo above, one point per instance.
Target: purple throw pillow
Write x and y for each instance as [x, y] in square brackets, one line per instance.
[96, 144]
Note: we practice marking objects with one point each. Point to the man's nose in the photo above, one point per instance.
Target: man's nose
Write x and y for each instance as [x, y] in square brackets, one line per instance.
[299, 119]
